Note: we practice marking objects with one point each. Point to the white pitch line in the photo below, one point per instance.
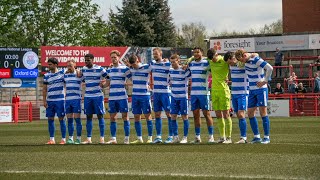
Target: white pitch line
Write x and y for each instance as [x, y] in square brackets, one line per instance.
[155, 174]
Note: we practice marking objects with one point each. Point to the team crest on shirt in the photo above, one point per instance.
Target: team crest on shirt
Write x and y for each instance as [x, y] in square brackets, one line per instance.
[180, 72]
[94, 70]
[119, 70]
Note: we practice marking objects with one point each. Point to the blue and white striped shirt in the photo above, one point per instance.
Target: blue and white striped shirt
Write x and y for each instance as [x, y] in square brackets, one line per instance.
[255, 71]
[117, 76]
[92, 77]
[179, 82]
[160, 74]
[73, 86]
[55, 86]
[199, 75]
[239, 80]
[140, 79]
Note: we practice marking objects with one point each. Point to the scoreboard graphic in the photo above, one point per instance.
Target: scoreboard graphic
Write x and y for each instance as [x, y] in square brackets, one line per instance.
[19, 62]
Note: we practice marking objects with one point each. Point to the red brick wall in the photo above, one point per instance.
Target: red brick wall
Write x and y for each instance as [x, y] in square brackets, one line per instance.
[301, 15]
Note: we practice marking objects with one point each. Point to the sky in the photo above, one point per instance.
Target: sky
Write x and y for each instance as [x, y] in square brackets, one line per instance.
[215, 15]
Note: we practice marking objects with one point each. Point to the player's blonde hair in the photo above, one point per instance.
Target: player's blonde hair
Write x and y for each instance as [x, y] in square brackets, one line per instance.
[175, 56]
[116, 52]
[157, 49]
[240, 53]
[72, 60]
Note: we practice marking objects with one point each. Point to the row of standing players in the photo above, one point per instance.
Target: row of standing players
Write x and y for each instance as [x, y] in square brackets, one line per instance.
[62, 95]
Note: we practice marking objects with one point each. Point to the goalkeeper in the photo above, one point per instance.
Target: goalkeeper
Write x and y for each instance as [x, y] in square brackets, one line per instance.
[220, 95]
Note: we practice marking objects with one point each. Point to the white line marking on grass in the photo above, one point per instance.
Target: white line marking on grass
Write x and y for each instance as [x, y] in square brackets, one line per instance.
[128, 173]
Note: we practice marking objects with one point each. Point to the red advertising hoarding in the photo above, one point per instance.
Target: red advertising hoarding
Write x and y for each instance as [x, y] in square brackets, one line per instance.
[102, 54]
[77, 53]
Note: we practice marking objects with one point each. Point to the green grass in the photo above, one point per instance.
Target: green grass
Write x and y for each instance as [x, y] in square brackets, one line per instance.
[294, 153]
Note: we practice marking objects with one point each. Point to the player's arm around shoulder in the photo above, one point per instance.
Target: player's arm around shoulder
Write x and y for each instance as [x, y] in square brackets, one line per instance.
[107, 78]
[105, 83]
[79, 73]
[186, 64]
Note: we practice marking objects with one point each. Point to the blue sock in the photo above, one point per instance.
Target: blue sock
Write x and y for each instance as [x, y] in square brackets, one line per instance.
[159, 126]
[63, 128]
[210, 130]
[186, 127]
[89, 127]
[150, 128]
[51, 128]
[266, 125]
[170, 126]
[243, 127]
[138, 128]
[197, 130]
[79, 126]
[254, 125]
[126, 127]
[70, 126]
[101, 127]
[113, 129]
[174, 125]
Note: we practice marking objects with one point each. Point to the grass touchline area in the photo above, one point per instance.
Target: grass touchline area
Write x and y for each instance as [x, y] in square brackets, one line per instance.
[294, 153]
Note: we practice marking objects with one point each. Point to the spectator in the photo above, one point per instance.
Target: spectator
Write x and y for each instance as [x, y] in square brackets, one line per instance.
[317, 83]
[278, 89]
[278, 58]
[301, 90]
[292, 85]
[318, 64]
[293, 76]
[15, 98]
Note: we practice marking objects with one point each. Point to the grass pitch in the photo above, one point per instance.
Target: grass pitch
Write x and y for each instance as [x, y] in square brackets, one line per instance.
[294, 153]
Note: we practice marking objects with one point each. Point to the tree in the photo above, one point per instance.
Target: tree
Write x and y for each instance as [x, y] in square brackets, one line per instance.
[273, 28]
[193, 35]
[31, 23]
[142, 23]
[117, 35]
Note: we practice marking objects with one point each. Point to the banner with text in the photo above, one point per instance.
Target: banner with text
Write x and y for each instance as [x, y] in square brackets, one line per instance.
[277, 108]
[102, 54]
[77, 53]
[314, 41]
[5, 114]
[293, 42]
[224, 45]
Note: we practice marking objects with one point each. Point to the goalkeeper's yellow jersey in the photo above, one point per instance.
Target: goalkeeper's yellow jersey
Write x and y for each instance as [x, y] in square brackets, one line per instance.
[219, 72]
